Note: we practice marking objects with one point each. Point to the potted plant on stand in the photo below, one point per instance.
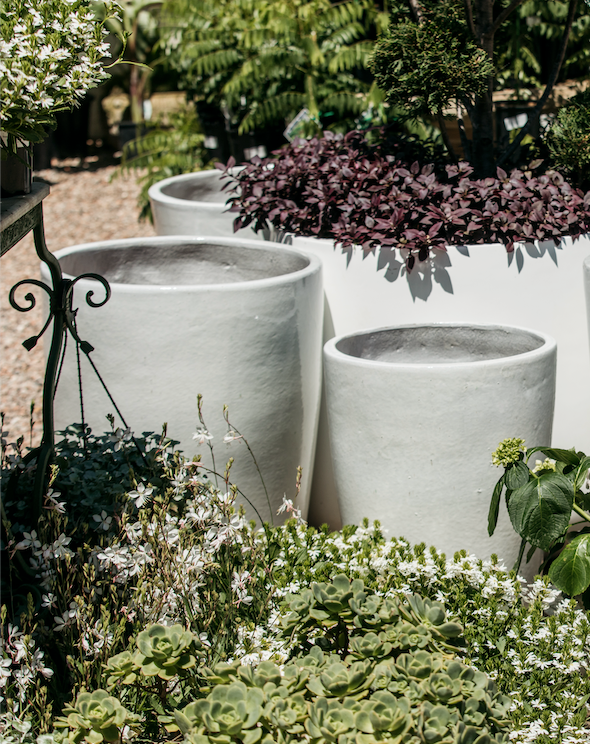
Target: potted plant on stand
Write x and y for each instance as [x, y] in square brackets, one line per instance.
[51, 54]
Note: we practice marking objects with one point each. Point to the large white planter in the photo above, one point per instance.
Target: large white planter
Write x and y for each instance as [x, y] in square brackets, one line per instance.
[238, 321]
[587, 286]
[415, 413]
[538, 287]
[194, 204]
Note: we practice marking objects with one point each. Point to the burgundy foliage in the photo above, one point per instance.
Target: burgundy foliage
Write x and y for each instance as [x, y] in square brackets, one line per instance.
[341, 187]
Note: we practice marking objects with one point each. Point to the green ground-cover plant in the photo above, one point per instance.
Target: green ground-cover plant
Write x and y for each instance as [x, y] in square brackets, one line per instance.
[167, 595]
[541, 502]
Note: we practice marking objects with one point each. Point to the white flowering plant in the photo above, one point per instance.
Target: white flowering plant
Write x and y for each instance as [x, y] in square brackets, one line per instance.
[143, 616]
[542, 501]
[51, 53]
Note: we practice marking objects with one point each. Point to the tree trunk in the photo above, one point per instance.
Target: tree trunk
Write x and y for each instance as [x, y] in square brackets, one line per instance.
[482, 116]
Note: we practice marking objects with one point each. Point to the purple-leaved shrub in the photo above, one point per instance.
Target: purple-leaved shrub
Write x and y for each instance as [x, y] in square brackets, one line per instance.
[343, 188]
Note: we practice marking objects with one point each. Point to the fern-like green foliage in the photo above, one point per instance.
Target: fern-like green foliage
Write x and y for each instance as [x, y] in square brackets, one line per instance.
[523, 44]
[267, 59]
[427, 67]
[164, 151]
[569, 140]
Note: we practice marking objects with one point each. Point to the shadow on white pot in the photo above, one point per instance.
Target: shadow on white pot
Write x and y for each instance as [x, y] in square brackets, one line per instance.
[538, 286]
[194, 204]
[587, 287]
[415, 413]
[238, 321]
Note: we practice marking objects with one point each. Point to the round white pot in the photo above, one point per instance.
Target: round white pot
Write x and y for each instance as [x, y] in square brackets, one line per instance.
[238, 321]
[194, 204]
[537, 286]
[415, 413]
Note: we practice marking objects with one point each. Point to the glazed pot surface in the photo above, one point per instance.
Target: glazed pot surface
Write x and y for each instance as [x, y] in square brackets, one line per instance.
[236, 321]
[414, 414]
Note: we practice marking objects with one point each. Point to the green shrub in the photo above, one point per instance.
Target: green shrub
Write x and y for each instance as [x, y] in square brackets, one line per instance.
[569, 140]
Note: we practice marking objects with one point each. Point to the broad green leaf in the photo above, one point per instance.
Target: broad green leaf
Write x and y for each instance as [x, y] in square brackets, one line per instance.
[495, 506]
[570, 571]
[540, 511]
[516, 475]
[561, 455]
[581, 473]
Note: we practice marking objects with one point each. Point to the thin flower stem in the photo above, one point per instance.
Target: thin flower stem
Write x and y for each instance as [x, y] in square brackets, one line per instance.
[231, 426]
[202, 420]
[581, 512]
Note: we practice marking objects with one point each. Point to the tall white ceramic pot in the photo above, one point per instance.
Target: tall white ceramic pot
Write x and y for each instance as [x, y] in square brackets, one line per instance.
[587, 287]
[194, 204]
[538, 286]
[238, 321]
[415, 413]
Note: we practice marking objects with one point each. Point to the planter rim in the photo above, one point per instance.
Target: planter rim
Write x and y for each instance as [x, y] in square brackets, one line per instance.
[435, 251]
[548, 346]
[314, 266]
[156, 193]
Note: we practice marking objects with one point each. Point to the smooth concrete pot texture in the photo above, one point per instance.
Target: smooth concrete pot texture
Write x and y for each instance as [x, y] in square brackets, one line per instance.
[238, 321]
[415, 413]
[538, 286]
[194, 204]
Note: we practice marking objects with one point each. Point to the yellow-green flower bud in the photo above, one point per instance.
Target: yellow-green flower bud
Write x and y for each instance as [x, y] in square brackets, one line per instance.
[508, 452]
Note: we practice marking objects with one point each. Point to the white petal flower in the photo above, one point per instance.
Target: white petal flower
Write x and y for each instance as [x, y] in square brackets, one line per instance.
[140, 495]
[103, 519]
[202, 436]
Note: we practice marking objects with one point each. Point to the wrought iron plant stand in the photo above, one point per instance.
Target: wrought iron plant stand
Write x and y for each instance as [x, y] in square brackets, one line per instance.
[20, 215]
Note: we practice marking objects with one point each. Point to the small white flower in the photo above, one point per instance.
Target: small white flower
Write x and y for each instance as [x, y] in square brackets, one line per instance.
[59, 547]
[202, 436]
[103, 519]
[5, 672]
[231, 436]
[120, 437]
[30, 541]
[141, 495]
[48, 600]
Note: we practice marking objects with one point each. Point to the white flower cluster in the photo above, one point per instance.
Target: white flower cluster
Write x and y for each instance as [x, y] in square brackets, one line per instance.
[51, 53]
[503, 617]
[44, 555]
[190, 547]
[20, 662]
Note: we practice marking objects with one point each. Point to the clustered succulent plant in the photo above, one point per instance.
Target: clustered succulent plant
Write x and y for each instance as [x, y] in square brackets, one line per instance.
[164, 651]
[341, 187]
[95, 717]
[367, 670]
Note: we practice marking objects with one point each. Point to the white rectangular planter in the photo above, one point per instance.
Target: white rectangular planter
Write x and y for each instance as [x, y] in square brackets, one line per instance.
[540, 287]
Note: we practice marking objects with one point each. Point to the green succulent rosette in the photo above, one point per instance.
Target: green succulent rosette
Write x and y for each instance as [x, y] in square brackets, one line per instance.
[166, 651]
[95, 717]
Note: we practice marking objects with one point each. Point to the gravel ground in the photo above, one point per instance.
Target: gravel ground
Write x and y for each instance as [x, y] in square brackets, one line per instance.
[83, 206]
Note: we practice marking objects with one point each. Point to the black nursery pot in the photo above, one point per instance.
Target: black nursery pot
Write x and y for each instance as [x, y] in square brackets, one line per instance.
[17, 172]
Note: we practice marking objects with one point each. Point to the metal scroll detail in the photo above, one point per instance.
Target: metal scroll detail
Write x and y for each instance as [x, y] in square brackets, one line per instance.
[63, 314]
[64, 302]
